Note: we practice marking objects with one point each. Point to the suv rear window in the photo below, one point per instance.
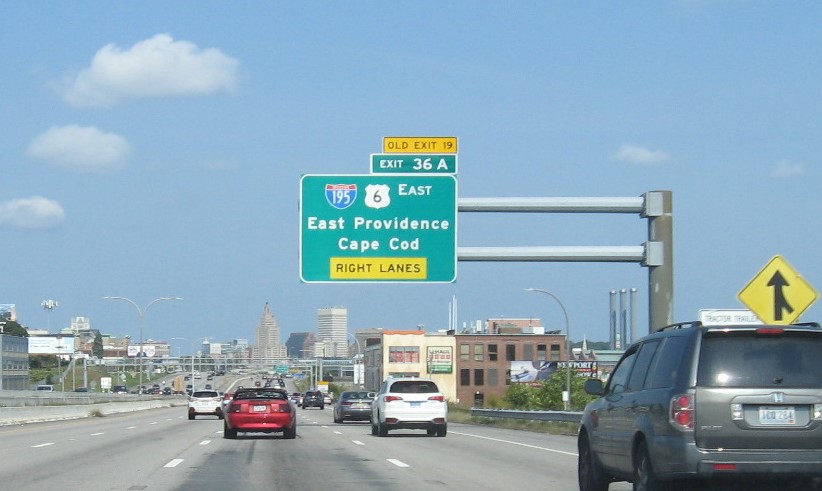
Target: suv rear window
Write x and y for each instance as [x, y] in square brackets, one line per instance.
[412, 386]
[746, 359]
[205, 393]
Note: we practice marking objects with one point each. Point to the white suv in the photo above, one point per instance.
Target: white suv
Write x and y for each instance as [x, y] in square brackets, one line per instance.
[409, 403]
[205, 402]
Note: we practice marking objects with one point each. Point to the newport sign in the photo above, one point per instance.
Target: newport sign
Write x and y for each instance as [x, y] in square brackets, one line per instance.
[378, 228]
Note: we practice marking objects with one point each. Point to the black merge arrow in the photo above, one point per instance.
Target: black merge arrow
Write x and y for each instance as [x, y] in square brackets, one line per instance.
[779, 303]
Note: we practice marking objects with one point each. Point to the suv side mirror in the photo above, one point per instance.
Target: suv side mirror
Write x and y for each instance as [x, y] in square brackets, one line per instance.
[594, 387]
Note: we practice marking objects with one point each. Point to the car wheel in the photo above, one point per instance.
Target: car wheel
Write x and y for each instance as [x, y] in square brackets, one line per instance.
[382, 429]
[442, 430]
[322, 407]
[290, 433]
[591, 476]
[431, 431]
[644, 477]
[374, 428]
[191, 416]
[229, 433]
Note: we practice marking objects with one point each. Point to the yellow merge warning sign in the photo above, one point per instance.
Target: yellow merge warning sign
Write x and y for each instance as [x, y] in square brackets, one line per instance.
[379, 268]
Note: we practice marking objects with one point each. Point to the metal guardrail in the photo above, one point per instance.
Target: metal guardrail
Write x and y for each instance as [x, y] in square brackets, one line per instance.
[556, 416]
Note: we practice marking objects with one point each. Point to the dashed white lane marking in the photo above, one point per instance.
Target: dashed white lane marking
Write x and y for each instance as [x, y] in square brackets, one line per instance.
[338, 432]
[97, 434]
[516, 443]
[205, 442]
[357, 442]
[398, 463]
[174, 463]
[42, 445]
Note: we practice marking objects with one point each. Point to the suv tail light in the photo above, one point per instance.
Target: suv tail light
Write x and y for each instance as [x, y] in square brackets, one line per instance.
[681, 414]
[392, 398]
[436, 398]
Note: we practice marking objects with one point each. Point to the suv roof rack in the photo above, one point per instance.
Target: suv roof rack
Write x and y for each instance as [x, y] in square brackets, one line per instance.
[681, 325]
[807, 324]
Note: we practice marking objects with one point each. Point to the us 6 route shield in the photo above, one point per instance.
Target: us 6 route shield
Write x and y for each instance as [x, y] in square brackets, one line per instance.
[378, 228]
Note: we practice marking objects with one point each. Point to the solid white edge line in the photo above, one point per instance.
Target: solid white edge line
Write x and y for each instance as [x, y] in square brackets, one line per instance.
[516, 443]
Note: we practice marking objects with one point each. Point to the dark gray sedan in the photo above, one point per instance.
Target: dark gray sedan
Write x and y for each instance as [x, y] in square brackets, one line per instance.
[353, 405]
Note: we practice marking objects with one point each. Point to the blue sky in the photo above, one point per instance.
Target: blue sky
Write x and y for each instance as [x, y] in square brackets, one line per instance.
[155, 149]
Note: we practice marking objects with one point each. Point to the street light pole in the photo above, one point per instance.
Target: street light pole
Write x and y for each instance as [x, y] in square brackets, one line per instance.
[358, 377]
[568, 347]
[142, 313]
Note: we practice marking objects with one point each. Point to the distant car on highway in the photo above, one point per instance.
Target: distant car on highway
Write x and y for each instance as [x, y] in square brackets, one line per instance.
[353, 405]
[45, 388]
[119, 389]
[313, 398]
[265, 410]
[205, 402]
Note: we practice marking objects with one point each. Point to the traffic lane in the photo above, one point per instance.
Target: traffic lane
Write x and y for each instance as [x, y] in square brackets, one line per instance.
[470, 456]
[475, 449]
[122, 452]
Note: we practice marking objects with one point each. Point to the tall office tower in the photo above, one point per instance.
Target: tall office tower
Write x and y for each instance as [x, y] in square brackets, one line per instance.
[332, 331]
[268, 345]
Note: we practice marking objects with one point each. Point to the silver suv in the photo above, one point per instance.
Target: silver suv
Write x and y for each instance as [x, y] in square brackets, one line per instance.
[691, 402]
[409, 403]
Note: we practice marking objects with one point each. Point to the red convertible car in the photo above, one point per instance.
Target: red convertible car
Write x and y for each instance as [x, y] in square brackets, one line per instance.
[260, 410]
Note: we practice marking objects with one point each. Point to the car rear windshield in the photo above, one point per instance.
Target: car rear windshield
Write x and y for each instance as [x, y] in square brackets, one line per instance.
[747, 359]
[412, 386]
[355, 395]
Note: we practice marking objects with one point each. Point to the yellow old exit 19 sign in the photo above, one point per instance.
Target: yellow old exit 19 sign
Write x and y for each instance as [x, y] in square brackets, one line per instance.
[778, 294]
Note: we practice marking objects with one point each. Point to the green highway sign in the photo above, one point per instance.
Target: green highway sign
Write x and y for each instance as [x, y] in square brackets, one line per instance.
[387, 163]
[378, 228]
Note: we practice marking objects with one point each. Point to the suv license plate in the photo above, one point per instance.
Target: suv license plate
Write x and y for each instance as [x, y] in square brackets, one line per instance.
[777, 415]
[415, 404]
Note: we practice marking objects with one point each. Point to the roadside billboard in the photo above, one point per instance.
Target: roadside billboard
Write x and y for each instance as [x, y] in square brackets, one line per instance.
[51, 345]
[536, 371]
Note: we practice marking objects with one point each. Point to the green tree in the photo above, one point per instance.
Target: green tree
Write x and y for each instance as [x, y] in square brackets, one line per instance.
[97, 346]
[13, 328]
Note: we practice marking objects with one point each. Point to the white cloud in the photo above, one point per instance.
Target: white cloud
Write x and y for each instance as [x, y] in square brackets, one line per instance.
[83, 148]
[34, 212]
[156, 67]
[787, 169]
[637, 155]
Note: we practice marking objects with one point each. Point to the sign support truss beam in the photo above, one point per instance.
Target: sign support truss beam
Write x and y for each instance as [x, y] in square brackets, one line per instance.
[656, 253]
